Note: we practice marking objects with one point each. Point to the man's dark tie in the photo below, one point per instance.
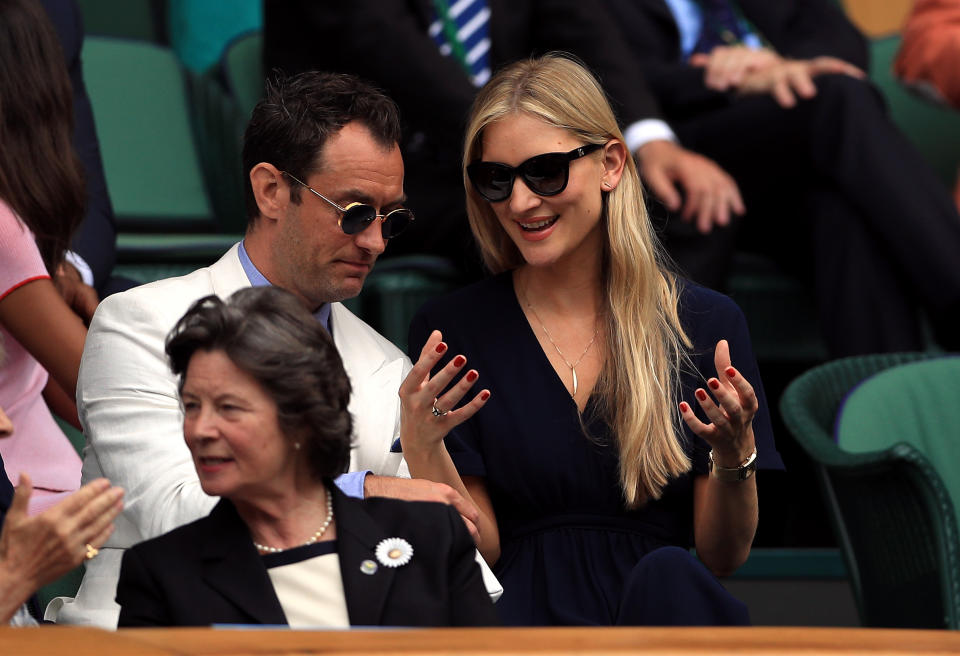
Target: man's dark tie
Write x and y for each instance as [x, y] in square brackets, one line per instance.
[722, 26]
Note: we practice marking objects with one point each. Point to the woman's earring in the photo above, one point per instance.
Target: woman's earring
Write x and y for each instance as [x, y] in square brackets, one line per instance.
[606, 185]
[296, 446]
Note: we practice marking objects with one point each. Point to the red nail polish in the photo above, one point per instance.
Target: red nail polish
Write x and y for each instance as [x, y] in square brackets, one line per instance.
[731, 372]
[472, 375]
[441, 347]
[484, 395]
[714, 383]
[684, 407]
[701, 395]
[459, 361]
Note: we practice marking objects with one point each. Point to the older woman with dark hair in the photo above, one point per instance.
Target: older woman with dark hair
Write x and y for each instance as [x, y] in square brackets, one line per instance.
[265, 417]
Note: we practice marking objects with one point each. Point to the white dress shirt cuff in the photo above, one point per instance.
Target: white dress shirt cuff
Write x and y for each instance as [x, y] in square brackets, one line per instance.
[650, 129]
[86, 273]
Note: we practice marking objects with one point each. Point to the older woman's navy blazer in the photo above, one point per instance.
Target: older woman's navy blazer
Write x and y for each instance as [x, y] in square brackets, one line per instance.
[208, 572]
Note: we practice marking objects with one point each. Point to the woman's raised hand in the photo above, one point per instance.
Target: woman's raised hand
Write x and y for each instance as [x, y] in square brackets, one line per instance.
[730, 431]
[427, 411]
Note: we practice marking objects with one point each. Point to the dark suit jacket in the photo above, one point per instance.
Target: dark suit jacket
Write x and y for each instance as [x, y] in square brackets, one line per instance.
[800, 29]
[208, 572]
[386, 41]
[95, 239]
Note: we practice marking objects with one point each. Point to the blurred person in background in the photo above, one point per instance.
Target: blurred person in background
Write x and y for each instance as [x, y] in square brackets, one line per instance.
[41, 204]
[776, 93]
[929, 57]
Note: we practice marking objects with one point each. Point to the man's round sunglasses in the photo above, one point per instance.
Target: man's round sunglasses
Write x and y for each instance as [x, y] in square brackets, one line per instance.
[545, 175]
[356, 217]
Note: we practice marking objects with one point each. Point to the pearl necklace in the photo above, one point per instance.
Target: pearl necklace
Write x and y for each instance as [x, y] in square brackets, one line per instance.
[313, 538]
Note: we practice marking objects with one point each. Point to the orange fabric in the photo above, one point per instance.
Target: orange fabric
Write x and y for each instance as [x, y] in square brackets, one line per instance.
[930, 51]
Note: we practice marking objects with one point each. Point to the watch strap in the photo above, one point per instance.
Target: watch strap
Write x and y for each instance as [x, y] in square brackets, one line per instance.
[733, 474]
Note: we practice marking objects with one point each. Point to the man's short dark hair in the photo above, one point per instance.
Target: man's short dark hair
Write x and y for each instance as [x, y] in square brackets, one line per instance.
[266, 332]
[290, 126]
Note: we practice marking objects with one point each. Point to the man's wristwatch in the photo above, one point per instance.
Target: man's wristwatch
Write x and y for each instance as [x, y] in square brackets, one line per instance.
[733, 474]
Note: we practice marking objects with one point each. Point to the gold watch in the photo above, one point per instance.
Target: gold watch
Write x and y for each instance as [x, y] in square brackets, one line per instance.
[733, 474]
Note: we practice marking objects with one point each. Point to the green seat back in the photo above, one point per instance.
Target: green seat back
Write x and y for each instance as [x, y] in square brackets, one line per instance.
[131, 19]
[892, 515]
[396, 289]
[916, 403]
[242, 67]
[142, 116]
[65, 586]
[201, 249]
[200, 30]
[933, 129]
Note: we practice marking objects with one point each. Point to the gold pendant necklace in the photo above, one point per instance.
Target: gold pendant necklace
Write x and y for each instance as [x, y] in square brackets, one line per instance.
[573, 367]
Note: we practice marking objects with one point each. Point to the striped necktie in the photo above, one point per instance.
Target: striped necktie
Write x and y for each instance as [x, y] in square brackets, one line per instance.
[461, 28]
[722, 25]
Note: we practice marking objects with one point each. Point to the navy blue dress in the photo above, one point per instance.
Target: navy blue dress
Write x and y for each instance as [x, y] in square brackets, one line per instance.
[568, 545]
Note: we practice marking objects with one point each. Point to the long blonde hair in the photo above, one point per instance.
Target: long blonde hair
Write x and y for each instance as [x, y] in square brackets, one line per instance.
[637, 389]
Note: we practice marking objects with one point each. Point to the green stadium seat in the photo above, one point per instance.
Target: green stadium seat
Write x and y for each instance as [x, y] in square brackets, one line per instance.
[934, 129]
[397, 287]
[242, 70]
[892, 514]
[133, 19]
[143, 120]
[135, 248]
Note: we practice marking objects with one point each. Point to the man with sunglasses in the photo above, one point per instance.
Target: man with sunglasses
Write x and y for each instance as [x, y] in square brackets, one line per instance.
[324, 193]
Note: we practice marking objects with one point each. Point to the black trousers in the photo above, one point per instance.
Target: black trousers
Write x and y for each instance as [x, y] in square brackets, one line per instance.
[837, 195]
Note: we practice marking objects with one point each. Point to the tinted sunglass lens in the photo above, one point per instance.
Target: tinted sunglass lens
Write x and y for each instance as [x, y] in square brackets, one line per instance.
[546, 174]
[357, 217]
[492, 181]
[396, 222]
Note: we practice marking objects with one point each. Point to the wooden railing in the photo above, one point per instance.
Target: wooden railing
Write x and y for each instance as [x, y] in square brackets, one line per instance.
[78, 641]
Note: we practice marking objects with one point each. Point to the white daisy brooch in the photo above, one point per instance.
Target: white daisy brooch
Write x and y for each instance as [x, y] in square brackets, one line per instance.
[394, 552]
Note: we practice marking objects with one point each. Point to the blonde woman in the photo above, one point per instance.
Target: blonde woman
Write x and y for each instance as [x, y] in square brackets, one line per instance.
[624, 412]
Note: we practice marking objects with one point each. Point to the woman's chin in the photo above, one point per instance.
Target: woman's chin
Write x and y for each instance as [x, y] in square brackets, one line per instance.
[215, 489]
[215, 483]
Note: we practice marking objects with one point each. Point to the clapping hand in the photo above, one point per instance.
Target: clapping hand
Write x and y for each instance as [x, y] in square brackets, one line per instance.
[39, 549]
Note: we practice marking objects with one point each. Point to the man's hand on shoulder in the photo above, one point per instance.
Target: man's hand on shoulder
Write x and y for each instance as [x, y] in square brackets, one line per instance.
[710, 194]
[419, 489]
